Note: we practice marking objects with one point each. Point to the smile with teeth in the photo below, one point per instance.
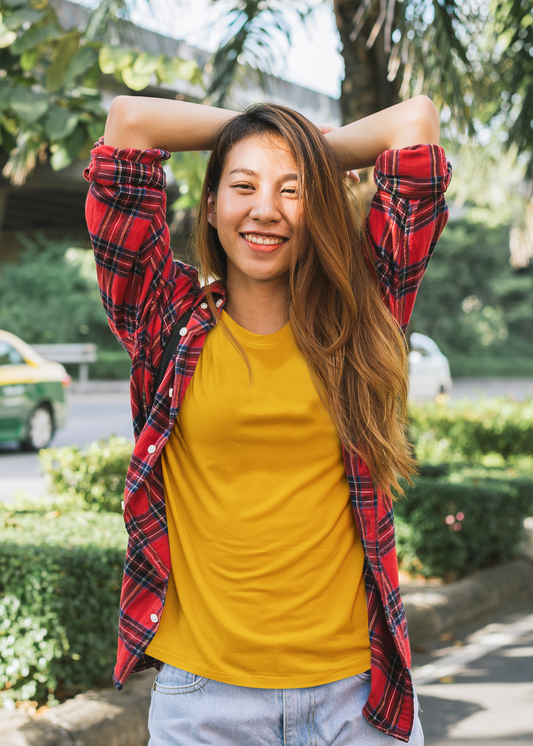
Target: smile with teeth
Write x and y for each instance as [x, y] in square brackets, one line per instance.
[263, 240]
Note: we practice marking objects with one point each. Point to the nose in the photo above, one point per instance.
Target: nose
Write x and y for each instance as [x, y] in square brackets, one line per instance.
[265, 208]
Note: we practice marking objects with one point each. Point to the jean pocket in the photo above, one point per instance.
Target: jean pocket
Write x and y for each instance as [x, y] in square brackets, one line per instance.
[172, 680]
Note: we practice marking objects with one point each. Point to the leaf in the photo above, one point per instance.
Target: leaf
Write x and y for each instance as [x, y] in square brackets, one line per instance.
[5, 98]
[35, 36]
[29, 59]
[60, 123]
[27, 105]
[133, 81]
[69, 149]
[91, 79]
[24, 15]
[7, 37]
[8, 141]
[184, 69]
[82, 60]
[63, 54]
[165, 71]
[145, 64]
[96, 130]
[114, 58]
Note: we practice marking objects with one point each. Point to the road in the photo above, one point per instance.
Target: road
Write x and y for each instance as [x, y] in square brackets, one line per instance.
[479, 691]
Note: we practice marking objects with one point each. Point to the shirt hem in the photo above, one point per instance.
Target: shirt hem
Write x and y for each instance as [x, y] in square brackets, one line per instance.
[264, 682]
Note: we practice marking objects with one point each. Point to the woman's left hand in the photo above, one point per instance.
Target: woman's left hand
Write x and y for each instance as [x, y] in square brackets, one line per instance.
[324, 127]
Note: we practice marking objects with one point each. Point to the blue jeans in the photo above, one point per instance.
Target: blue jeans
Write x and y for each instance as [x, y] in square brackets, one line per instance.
[187, 710]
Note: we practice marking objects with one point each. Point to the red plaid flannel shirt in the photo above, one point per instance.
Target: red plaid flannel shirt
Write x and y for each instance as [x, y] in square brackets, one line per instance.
[144, 292]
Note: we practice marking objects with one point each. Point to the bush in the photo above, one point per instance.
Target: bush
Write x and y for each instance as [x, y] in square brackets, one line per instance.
[51, 296]
[482, 366]
[60, 577]
[111, 365]
[466, 430]
[97, 473]
[447, 530]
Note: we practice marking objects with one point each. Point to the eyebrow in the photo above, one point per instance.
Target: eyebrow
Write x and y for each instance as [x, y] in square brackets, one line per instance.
[250, 172]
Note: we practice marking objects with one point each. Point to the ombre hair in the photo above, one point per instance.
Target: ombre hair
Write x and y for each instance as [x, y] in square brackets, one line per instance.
[353, 346]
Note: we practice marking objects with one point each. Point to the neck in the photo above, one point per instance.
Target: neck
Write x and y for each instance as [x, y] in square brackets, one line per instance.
[262, 308]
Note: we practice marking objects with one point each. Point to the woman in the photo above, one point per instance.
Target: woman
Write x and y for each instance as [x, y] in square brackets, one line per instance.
[261, 574]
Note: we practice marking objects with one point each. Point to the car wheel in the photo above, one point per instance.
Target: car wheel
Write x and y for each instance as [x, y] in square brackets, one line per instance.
[40, 429]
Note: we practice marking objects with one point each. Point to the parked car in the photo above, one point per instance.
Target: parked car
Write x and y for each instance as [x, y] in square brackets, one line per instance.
[33, 395]
[429, 371]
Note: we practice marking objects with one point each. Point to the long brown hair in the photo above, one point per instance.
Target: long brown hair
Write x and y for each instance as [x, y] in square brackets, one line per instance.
[352, 344]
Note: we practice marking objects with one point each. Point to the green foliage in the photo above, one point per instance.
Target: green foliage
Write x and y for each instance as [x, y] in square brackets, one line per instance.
[111, 366]
[51, 296]
[189, 171]
[96, 473]
[447, 530]
[60, 578]
[466, 430]
[50, 100]
[472, 302]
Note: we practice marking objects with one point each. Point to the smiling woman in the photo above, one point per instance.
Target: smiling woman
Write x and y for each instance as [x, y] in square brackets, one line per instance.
[261, 577]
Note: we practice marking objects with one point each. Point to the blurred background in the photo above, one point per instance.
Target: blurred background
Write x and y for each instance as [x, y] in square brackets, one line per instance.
[63, 376]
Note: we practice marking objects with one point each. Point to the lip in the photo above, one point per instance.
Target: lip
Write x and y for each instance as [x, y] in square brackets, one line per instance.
[261, 248]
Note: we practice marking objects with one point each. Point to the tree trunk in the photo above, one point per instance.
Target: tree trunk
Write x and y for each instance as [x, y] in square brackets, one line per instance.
[365, 88]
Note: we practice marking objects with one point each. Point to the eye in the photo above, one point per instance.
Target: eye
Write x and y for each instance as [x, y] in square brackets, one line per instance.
[242, 186]
[290, 190]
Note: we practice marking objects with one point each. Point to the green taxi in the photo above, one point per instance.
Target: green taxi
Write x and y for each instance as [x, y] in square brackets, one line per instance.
[33, 395]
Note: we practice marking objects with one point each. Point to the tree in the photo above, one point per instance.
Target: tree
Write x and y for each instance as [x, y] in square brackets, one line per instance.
[474, 57]
[50, 99]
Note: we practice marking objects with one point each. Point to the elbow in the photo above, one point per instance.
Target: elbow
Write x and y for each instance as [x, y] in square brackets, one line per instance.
[426, 120]
[123, 125]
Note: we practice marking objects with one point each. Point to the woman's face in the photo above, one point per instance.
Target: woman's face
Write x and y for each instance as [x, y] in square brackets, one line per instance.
[256, 209]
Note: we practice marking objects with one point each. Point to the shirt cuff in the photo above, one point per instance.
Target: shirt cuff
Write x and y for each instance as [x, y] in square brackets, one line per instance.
[126, 167]
[414, 173]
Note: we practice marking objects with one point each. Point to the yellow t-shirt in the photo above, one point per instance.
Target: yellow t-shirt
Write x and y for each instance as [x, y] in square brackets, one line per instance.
[266, 588]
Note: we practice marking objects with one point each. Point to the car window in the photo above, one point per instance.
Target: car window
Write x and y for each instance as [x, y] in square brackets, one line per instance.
[421, 351]
[9, 355]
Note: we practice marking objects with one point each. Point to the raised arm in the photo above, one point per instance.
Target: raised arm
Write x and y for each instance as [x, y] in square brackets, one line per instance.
[144, 123]
[359, 144]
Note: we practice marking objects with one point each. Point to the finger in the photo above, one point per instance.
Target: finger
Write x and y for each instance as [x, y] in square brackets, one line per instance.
[353, 176]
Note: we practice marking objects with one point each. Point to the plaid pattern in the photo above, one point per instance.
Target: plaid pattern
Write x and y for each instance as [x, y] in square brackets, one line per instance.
[144, 292]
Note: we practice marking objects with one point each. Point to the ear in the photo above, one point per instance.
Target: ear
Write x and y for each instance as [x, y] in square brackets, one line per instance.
[211, 210]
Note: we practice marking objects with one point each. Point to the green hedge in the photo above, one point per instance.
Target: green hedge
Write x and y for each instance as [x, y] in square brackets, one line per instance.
[484, 367]
[465, 430]
[96, 473]
[447, 530]
[60, 578]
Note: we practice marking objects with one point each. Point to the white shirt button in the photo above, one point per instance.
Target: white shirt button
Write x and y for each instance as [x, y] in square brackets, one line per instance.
[219, 302]
[153, 618]
[170, 392]
[151, 449]
[183, 331]
[203, 305]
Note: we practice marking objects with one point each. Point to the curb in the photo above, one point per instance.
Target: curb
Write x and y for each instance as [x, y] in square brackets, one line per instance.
[445, 608]
[120, 718]
[96, 718]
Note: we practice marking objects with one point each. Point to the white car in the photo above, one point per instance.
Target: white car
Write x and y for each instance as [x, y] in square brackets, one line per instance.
[429, 371]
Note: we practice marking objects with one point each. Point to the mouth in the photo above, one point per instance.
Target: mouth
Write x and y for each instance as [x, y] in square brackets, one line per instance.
[263, 242]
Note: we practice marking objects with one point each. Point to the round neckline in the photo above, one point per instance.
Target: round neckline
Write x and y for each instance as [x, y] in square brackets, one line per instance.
[256, 340]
